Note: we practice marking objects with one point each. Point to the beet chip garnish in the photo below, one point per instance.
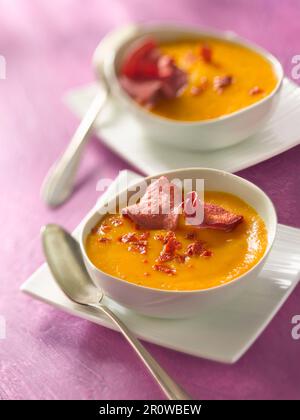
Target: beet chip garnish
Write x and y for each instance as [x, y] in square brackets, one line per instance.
[158, 208]
[214, 217]
[147, 75]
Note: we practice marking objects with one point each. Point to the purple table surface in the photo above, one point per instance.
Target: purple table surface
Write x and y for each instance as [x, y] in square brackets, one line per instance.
[48, 354]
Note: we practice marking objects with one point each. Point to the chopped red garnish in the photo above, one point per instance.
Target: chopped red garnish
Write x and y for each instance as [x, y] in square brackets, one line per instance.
[196, 90]
[116, 221]
[197, 248]
[140, 247]
[104, 240]
[206, 53]
[164, 237]
[206, 253]
[159, 237]
[158, 208]
[137, 242]
[164, 268]
[255, 90]
[171, 245]
[180, 258]
[164, 257]
[221, 82]
[144, 236]
[191, 235]
[128, 237]
[104, 228]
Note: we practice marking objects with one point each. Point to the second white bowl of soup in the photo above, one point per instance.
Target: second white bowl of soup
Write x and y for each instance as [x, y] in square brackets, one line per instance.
[232, 87]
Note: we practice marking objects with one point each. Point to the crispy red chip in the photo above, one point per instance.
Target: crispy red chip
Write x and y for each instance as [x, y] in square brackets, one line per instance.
[145, 92]
[139, 62]
[158, 208]
[214, 216]
[147, 74]
[217, 217]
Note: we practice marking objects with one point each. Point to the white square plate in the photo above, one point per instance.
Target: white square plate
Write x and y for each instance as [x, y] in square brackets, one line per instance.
[119, 131]
[222, 333]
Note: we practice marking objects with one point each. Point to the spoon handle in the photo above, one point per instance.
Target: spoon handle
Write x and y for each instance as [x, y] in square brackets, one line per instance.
[172, 390]
[59, 181]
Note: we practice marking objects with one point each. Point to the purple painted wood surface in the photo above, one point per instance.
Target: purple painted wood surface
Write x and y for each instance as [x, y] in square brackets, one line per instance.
[48, 354]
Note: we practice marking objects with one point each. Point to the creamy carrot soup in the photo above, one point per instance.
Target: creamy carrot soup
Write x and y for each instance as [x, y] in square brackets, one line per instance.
[204, 258]
[223, 77]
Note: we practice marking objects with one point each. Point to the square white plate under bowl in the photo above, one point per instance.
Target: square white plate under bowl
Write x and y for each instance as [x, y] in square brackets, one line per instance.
[222, 333]
[119, 131]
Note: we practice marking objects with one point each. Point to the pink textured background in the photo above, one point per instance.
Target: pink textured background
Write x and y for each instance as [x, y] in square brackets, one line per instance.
[48, 354]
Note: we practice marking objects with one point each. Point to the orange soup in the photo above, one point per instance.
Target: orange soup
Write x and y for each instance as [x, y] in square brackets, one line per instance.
[251, 78]
[223, 257]
[223, 77]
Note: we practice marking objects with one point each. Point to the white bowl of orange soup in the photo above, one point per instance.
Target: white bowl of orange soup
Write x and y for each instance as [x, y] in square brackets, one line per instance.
[130, 272]
[203, 116]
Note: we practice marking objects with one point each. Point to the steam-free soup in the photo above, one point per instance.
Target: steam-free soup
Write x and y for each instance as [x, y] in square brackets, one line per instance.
[119, 248]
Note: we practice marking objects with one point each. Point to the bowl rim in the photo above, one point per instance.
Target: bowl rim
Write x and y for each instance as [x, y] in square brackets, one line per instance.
[196, 291]
[229, 36]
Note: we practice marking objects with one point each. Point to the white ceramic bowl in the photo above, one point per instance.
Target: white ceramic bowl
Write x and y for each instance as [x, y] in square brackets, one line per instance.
[179, 304]
[203, 135]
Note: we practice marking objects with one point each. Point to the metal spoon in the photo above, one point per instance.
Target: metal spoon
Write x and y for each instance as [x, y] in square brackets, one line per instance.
[66, 263]
[59, 182]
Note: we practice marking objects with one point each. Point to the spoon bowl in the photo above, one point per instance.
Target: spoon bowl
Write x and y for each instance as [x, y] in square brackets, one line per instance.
[65, 260]
[66, 263]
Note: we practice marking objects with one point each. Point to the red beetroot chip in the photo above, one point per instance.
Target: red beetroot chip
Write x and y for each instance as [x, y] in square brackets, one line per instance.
[144, 92]
[214, 216]
[146, 74]
[158, 208]
[140, 61]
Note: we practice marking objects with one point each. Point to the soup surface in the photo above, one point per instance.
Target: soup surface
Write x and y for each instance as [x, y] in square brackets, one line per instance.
[252, 78]
[226, 255]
